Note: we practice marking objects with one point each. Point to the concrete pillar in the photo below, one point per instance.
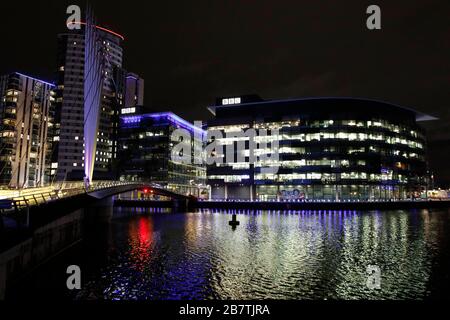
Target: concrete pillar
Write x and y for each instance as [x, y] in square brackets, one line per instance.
[179, 205]
[100, 211]
[126, 195]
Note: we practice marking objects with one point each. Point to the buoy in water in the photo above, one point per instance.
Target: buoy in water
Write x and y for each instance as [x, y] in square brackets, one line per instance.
[234, 221]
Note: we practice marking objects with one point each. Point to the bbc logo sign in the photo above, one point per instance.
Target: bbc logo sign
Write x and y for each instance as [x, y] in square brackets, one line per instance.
[231, 101]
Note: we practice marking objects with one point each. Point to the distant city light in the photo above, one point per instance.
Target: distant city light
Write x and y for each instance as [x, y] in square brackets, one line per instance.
[128, 110]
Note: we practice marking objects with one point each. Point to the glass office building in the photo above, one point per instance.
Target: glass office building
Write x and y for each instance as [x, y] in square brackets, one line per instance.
[317, 148]
[26, 128]
[145, 152]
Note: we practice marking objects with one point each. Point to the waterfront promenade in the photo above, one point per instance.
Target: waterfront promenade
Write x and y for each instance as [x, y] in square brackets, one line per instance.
[294, 205]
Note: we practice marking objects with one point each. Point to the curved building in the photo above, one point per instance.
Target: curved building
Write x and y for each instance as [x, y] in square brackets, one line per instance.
[317, 148]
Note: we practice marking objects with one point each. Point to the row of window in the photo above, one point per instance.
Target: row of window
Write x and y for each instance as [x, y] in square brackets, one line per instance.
[328, 123]
[316, 137]
[324, 177]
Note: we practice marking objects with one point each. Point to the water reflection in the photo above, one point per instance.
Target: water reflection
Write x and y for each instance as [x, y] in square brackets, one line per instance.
[275, 255]
[140, 241]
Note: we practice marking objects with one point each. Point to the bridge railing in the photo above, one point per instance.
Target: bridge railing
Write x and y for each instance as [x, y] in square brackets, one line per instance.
[35, 196]
[40, 195]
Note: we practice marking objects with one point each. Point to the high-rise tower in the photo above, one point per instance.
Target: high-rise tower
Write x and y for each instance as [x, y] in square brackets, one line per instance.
[71, 96]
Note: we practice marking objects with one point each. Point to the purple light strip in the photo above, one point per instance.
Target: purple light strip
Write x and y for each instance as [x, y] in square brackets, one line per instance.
[92, 96]
[36, 79]
[171, 116]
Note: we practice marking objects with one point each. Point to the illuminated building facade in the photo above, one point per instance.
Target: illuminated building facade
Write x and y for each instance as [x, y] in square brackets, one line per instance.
[327, 149]
[26, 115]
[145, 152]
[130, 95]
[69, 160]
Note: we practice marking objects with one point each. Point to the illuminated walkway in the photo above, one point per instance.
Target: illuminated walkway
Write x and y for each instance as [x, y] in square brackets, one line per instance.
[42, 195]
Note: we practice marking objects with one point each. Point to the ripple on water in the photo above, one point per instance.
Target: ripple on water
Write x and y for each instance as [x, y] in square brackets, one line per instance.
[269, 256]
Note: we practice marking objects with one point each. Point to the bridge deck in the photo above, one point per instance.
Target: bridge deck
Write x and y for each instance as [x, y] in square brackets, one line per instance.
[99, 189]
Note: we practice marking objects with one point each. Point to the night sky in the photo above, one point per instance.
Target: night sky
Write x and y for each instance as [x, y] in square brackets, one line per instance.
[193, 51]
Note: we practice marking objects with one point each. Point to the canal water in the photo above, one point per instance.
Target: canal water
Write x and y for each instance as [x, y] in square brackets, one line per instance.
[152, 254]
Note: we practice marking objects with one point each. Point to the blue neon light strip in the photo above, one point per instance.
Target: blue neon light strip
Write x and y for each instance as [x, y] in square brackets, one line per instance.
[36, 79]
[169, 115]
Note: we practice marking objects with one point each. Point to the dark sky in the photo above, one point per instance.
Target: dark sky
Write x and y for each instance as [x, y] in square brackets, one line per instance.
[192, 51]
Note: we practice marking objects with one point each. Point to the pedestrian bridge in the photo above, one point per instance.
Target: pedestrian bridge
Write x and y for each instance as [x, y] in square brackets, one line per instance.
[29, 197]
[37, 223]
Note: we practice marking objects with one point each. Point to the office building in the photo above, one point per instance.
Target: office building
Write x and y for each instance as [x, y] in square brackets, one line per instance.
[145, 152]
[318, 148]
[130, 100]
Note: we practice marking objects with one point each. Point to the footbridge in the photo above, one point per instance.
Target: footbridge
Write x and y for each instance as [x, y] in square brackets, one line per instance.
[17, 200]
[37, 223]
[33, 208]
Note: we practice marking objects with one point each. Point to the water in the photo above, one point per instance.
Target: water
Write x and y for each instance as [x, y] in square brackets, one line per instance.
[270, 255]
